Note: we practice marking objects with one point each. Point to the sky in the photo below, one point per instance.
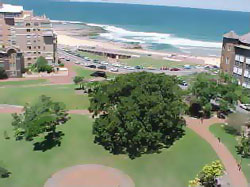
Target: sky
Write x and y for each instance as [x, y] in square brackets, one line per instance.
[235, 5]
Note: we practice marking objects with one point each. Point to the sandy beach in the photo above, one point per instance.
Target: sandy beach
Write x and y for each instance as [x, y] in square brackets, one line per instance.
[80, 35]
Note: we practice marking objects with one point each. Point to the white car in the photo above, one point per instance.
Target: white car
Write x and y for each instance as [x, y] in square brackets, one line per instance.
[114, 69]
[77, 62]
[116, 65]
[130, 68]
[245, 106]
[104, 63]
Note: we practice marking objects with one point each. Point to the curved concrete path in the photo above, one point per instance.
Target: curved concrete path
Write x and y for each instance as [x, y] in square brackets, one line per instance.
[202, 129]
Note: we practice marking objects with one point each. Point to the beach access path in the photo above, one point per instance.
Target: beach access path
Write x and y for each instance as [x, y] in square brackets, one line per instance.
[236, 176]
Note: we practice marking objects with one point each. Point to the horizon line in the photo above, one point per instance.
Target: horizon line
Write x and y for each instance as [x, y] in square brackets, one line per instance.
[149, 4]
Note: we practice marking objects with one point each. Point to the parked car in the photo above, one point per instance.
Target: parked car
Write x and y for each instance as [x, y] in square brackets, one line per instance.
[151, 68]
[114, 69]
[77, 62]
[95, 61]
[138, 67]
[130, 68]
[183, 83]
[175, 69]
[99, 74]
[104, 63]
[245, 106]
[91, 66]
[187, 66]
[116, 65]
[102, 67]
[67, 59]
[87, 58]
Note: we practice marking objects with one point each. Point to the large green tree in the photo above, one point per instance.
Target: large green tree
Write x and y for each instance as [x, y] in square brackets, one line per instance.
[137, 113]
[223, 91]
[244, 146]
[41, 119]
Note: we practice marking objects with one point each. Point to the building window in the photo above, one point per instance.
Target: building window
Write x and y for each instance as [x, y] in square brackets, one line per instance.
[39, 47]
[28, 59]
[229, 48]
[242, 58]
[27, 24]
[29, 47]
[247, 60]
[34, 52]
[36, 24]
[227, 60]
[28, 30]
[34, 29]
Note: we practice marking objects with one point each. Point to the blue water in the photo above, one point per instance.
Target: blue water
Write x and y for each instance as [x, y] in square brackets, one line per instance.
[160, 27]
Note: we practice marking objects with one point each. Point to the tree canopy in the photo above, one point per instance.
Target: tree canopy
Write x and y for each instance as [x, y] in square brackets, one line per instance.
[137, 113]
[208, 176]
[78, 80]
[42, 65]
[40, 119]
[223, 91]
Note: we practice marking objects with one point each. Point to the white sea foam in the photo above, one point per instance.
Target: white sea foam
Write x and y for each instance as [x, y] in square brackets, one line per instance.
[120, 34]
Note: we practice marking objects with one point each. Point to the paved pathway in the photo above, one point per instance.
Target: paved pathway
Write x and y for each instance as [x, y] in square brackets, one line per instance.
[202, 129]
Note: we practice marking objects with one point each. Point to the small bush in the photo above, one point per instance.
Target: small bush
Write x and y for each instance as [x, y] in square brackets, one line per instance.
[4, 173]
[3, 74]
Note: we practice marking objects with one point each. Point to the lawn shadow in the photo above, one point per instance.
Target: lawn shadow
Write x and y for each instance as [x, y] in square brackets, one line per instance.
[230, 130]
[51, 140]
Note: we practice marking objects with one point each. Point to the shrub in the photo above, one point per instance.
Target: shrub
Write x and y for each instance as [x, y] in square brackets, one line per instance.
[3, 74]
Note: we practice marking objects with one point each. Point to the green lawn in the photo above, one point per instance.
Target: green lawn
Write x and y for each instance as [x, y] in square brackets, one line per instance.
[173, 167]
[92, 56]
[230, 141]
[24, 82]
[62, 93]
[86, 72]
[154, 62]
[83, 72]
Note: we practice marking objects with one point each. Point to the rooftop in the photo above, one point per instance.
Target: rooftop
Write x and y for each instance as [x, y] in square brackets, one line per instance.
[7, 8]
[231, 35]
[245, 38]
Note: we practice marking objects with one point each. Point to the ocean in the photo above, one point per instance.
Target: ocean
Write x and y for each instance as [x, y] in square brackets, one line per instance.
[185, 30]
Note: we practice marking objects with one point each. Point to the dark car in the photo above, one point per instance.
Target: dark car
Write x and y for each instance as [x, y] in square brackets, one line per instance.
[138, 67]
[102, 67]
[96, 61]
[99, 74]
[175, 69]
[91, 66]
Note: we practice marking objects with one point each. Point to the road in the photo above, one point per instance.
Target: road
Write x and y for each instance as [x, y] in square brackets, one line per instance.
[182, 72]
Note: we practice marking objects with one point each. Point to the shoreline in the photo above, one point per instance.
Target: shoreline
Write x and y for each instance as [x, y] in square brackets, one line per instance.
[76, 34]
[72, 41]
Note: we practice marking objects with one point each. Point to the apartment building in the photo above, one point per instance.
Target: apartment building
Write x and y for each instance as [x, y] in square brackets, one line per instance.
[235, 57]
[32, 35]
